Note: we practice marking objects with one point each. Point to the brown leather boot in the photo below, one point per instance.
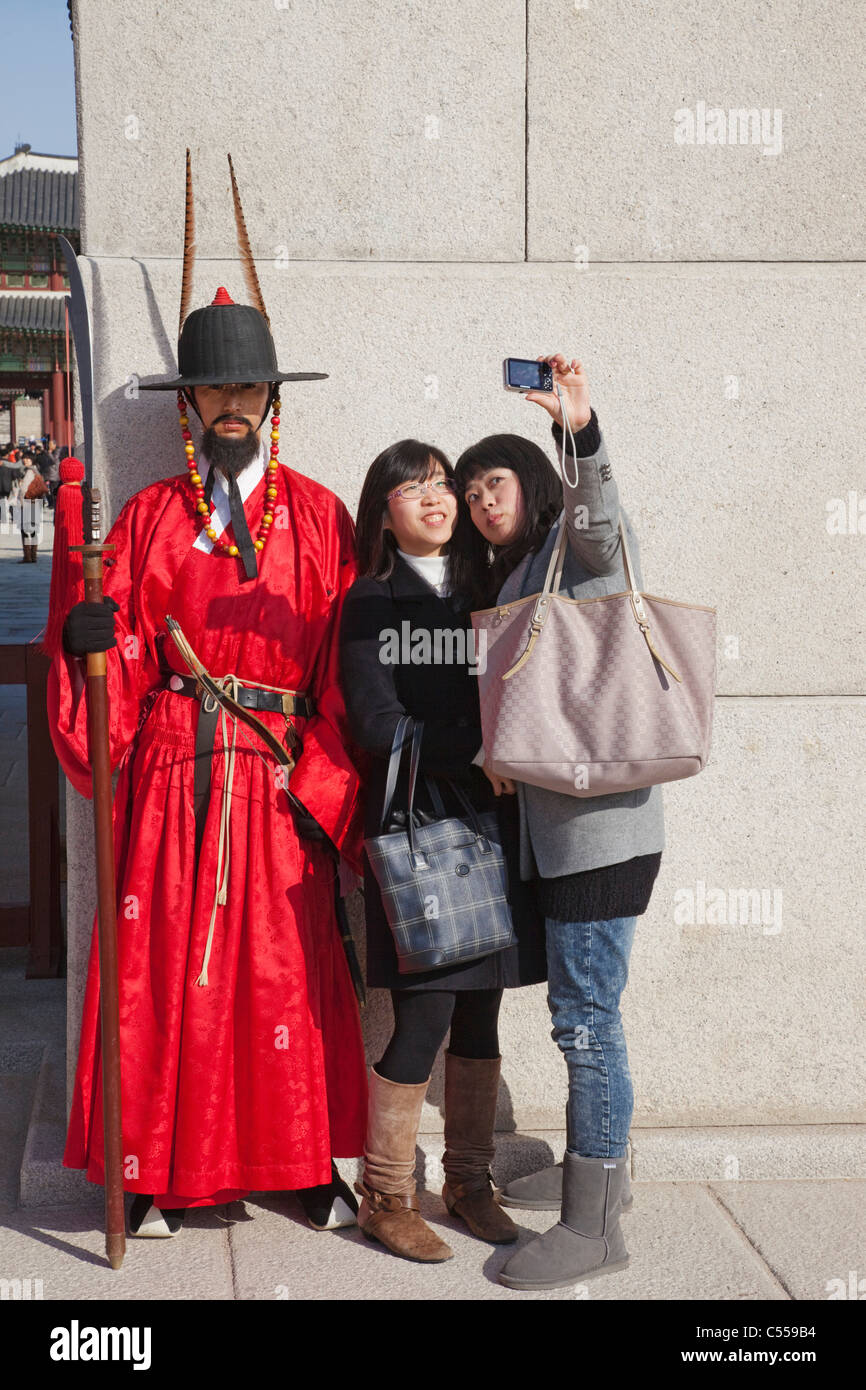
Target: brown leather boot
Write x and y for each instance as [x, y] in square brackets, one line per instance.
[471, 1086]
[389, 1210]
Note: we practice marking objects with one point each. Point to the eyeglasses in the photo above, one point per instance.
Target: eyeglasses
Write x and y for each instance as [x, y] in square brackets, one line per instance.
[411, 491]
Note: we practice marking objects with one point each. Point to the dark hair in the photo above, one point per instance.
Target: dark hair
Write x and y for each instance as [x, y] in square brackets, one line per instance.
[407, 461]
[478, 568]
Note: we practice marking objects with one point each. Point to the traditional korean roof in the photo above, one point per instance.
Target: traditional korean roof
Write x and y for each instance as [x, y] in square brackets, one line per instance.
[40, 199]
[32, 313]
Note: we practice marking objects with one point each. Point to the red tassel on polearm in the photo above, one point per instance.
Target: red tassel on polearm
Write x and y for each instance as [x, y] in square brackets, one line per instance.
[67, 573]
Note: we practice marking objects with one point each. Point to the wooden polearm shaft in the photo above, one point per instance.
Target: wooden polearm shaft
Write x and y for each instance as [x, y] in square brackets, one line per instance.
[106, 913]
[92, 554]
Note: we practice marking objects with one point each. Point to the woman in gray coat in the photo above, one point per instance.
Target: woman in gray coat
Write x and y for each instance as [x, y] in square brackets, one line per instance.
[593, 860]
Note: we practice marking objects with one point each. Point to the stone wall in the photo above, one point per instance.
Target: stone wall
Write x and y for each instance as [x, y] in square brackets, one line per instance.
[431, 188]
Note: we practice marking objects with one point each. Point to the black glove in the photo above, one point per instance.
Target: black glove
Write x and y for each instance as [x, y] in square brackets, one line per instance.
[90, 627]
[306, 825]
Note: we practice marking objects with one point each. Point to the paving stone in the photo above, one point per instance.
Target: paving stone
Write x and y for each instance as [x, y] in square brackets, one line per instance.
[811, 1234]
[65, 1248]
[24, 591]
[682, 1246]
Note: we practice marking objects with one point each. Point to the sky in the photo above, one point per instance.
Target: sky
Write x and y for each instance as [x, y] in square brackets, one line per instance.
[37, 91]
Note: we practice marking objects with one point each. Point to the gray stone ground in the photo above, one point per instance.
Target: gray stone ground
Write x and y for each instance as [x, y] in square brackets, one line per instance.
[23, 606]
[688, 1240]
[743, 1240]
[23, 588]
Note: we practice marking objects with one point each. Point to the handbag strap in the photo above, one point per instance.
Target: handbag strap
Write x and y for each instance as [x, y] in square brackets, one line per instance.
[398, 743]
[438, 804]
[459, 794]
[414, 759]
[435, 797]
[555, 577]
[470, 810]
[560, 550]
[394, 761]
[553, 580]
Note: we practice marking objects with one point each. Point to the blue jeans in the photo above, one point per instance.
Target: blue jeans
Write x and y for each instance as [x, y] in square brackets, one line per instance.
[587, 969]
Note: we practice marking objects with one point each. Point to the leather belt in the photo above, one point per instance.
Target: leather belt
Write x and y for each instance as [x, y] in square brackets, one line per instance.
[287, 702]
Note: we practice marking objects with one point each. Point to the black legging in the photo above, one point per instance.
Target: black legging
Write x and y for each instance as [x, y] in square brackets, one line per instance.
[421, 1021]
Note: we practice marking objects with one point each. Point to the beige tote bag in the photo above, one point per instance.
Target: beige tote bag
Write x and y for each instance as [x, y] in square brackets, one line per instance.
[596, 696]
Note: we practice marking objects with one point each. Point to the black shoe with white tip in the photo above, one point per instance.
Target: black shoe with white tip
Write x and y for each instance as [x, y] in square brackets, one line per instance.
[150, 1223]
[329, 1206]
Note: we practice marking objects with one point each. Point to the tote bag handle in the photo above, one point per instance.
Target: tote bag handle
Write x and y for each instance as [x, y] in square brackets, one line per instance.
[552, 581]
[398, 743]
[394, 761]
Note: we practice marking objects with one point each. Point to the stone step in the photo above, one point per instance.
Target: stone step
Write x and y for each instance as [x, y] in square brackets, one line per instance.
[43, 1180]
[747, 1153]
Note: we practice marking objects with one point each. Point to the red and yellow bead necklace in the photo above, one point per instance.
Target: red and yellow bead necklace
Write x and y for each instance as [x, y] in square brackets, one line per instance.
[205, 508]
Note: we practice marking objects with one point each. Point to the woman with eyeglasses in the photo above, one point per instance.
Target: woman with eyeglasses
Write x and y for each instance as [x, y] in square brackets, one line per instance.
[406, 519]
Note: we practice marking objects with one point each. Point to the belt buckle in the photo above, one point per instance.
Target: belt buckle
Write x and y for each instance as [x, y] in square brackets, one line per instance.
[294, 738]
[293, 699]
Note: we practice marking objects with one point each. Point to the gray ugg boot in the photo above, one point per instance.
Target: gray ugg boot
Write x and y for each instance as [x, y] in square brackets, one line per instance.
[587, 1240]
[542, 1191]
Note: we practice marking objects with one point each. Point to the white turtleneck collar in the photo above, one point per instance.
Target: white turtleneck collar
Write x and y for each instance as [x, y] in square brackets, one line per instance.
[432, 568]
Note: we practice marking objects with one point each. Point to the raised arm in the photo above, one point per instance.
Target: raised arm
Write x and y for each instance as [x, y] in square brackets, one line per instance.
[589, 493]
[591, 507]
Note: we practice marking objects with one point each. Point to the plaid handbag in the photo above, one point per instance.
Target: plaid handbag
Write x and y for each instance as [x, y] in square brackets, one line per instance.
[444, 881]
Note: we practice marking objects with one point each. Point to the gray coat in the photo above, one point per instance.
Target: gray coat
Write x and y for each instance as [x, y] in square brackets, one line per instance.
[562, 834]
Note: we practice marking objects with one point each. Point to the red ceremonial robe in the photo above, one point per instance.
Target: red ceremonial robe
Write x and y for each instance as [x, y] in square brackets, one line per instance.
[255, 1080]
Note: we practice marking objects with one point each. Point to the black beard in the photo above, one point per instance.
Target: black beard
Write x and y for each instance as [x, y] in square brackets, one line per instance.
[229, 454]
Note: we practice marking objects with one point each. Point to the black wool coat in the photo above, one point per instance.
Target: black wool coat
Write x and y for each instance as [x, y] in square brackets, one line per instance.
[445, 696]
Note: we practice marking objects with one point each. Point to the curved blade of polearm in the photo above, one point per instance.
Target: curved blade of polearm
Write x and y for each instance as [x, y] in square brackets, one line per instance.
[79, 319]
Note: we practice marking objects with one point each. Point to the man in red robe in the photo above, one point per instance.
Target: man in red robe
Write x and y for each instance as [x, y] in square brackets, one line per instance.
[241, 1053]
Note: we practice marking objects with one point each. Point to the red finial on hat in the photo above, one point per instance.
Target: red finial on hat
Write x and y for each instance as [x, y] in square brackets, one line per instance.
[222, 296]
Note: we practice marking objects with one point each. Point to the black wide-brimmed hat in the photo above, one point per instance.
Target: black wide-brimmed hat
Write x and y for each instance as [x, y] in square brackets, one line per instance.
[224, 341]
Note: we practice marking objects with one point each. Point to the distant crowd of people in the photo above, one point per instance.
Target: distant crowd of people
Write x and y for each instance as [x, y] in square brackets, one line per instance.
[29, 479]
